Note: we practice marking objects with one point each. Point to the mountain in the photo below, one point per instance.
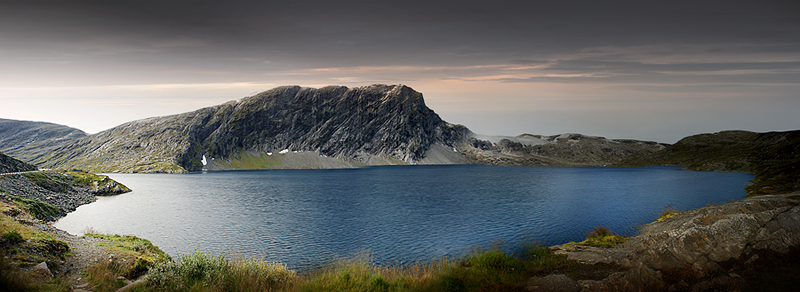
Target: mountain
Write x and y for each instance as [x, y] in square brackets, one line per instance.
[286, 127]
[34, 141]
[774, 157]
[296, 127]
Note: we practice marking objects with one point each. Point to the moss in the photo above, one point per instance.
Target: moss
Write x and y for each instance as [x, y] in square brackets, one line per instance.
[141, 252]
[40, 210]
[26, 246]
[601, 237]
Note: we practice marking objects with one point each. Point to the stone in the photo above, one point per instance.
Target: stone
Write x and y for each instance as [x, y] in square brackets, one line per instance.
[41, 272]
[554, 283]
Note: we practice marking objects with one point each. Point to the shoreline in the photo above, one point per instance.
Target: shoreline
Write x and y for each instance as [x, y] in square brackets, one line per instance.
[651, 260]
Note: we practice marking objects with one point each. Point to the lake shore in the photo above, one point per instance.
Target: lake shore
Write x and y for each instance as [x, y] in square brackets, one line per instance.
[725, 247]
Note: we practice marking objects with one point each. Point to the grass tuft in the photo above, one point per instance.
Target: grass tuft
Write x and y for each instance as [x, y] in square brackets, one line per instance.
[669, 212]
[138, 254]
[601, 237]
[200, 271]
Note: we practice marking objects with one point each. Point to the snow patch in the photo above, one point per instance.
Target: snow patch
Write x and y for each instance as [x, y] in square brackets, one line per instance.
[284, 151]
[204, 161]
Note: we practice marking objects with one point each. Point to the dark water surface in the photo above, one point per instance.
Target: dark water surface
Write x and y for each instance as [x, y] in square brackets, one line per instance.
[397, 213]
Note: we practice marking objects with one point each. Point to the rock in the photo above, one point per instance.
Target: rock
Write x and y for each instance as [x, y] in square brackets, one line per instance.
[639, 279]
[9, 164]
[41, 272]
[554, 283]
[696, 246]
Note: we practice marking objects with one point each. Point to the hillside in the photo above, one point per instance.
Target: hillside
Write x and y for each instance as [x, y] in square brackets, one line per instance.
[774, 157]
[9, 164]
[556, 150]
[34, 141]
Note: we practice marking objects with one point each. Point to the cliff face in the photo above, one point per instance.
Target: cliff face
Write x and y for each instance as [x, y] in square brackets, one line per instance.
[286, 127]
[774, 157]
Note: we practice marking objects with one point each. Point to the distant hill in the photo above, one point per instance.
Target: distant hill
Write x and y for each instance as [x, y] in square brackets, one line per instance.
[774, 157]
[34, 142]
[9, 164]
[556, 150]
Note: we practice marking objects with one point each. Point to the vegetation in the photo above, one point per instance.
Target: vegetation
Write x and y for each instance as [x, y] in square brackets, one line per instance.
[100, 182]
[669, 212]
[601, 237]
[40, 210]
[134, 255]
[21, 246]
[490, 269]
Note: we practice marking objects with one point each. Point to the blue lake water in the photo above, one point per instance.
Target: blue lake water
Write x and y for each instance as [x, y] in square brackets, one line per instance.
[398, 213]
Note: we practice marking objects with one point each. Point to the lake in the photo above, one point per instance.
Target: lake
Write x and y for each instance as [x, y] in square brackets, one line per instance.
[303, 218]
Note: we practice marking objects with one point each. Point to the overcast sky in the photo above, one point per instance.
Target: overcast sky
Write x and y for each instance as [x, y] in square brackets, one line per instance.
[650, 70]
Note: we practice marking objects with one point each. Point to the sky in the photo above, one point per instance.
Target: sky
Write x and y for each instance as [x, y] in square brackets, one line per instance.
[648, 70]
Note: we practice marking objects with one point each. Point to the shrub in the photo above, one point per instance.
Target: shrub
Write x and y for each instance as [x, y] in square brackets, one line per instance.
[13, 236]
[201, 271]
[601, 237]
[40, 210]
[669, 212]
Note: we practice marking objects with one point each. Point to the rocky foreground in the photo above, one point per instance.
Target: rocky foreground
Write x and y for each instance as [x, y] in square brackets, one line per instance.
[732, 247]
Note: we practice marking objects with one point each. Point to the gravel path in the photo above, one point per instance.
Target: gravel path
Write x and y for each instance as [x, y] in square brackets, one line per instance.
[84, 252]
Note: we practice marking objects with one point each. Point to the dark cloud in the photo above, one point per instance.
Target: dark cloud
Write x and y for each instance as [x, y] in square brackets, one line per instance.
[661, 46]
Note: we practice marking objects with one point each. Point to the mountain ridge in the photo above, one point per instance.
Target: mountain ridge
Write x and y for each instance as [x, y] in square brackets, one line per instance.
[370, 125]
[341, 127]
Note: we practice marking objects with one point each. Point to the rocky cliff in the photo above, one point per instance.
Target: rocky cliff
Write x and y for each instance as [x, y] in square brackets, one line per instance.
[774, 157]
[286, 127]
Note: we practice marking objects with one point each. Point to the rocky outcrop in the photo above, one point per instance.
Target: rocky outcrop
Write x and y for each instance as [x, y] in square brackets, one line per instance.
[774, 157]
[65, 190]
[9, 164]
[556, 150]
[713, 248]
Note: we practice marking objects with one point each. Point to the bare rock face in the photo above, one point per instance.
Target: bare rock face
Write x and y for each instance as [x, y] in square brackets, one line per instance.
[701, 249]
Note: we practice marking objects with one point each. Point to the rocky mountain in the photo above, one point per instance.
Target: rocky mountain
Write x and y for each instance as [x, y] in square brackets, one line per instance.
[9, 164]
[286, 127]
[340, 127]
[774, 157]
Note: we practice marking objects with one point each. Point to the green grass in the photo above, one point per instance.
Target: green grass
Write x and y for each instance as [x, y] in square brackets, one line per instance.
[139, 254]
[203, 272]
[669, 212]
[492, 269]
[40, 210]
[22, 246]
[601, 237]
